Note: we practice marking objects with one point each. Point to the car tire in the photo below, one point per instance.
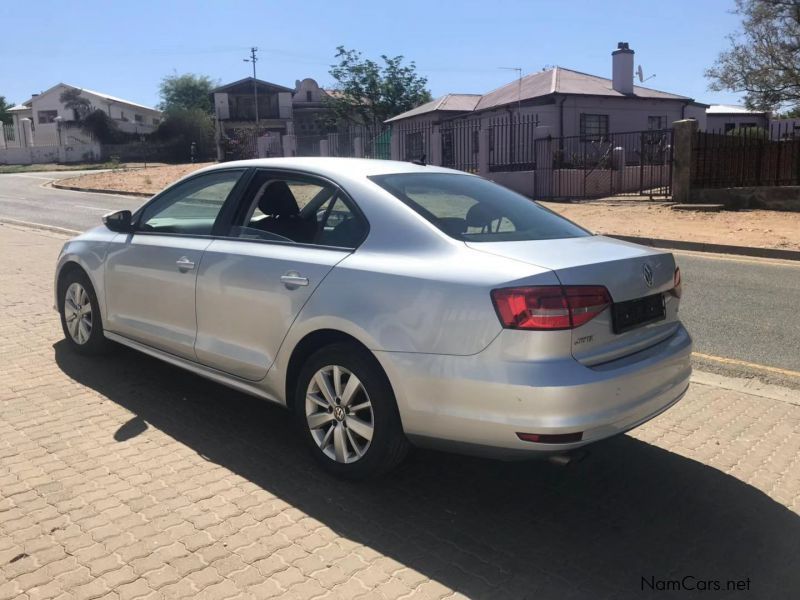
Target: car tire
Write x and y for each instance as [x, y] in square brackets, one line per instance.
[80, 314]
[352, 426]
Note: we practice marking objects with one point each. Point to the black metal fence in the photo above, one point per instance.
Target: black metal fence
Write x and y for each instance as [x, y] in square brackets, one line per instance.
[636, 163]
[460, 144]
[511, 143]
[414, 140]
[746, 157]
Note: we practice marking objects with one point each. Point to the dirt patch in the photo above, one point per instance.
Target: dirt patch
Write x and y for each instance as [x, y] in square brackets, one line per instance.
[144, 181]
[755, 228]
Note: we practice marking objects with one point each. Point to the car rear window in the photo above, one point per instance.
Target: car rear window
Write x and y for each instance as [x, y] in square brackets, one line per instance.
[476, 210]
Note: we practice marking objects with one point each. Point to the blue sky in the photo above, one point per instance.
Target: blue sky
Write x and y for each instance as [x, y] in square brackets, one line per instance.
[124, 48]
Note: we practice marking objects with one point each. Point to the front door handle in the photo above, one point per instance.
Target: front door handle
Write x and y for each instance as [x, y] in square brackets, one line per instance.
[293, 279]
[184, 264]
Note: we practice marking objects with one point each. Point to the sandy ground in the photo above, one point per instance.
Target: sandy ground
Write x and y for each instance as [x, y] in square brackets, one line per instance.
[145, 181]
[758, 228]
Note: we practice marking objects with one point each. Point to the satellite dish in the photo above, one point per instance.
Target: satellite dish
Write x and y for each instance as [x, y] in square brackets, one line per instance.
[640, 74]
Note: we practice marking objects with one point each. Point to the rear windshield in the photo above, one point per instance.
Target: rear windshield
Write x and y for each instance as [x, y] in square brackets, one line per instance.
[476, 210]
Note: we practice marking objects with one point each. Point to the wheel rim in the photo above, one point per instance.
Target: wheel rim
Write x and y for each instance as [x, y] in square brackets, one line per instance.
[339, 414]
[78, 313]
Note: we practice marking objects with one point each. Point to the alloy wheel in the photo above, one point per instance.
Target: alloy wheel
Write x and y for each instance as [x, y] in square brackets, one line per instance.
[339, 414]
[78, 313]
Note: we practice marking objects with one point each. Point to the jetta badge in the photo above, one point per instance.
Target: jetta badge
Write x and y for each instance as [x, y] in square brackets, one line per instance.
[647, 271]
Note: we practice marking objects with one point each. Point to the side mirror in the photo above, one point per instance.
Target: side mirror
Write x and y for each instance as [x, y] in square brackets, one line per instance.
[119, 221]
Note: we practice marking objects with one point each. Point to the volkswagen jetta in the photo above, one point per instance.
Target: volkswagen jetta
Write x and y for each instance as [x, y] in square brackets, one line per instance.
[386, 304]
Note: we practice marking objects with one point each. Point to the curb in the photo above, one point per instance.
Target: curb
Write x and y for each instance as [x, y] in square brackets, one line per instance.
[42, 226]
[75, 188]
[713, 248]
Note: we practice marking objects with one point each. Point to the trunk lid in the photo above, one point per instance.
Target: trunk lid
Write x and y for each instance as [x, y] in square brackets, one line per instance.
[628, 271]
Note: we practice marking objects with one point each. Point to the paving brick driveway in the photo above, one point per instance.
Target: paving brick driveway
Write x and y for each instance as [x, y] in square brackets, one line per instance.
[123, 477]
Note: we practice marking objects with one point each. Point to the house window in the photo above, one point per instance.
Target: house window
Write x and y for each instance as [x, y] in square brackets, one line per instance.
[47, 116]
[729, 127]
[655, 123]
[308, 96]
[594, 127]
[138, 118]
[156, 121]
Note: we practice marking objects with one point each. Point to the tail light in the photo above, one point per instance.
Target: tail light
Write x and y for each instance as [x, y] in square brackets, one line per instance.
[676, 290]
[549, 307]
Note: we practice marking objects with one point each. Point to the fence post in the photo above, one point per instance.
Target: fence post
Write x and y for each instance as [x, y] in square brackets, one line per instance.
[483, 151]
[27, 133]
[436, 147]
[684, 133]
[289, 143]
[324, 149]
[2, 136]
[543, 162]
[358, 147]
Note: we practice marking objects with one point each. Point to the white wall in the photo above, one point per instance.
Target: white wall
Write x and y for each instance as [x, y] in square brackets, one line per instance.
[46, 134]
[624, 114]
[717, 122]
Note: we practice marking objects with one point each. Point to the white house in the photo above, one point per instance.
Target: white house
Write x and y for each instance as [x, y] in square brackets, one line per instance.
[725, 117]
[564, 102]
[45, 110]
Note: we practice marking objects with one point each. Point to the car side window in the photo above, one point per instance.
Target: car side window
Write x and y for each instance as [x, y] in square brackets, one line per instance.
[298, 209]
[190, 207]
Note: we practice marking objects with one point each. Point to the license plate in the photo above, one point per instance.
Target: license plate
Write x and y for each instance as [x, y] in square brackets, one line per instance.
[635, 313]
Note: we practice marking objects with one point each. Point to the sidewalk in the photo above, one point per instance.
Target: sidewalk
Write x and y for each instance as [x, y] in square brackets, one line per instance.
[123, 477]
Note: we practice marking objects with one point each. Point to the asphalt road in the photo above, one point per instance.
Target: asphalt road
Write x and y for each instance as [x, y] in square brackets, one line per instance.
[26, 197]
[735, 308]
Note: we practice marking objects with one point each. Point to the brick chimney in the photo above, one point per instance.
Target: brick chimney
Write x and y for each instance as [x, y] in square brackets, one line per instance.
[622, 69]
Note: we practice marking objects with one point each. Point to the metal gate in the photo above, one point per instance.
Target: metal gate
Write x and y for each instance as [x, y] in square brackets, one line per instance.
[635, 163]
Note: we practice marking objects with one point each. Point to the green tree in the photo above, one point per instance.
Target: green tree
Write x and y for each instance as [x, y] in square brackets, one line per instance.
[763, 60]
[186, 92]
[5, 116]
[180, 128]
[72, 100]
[367, 92]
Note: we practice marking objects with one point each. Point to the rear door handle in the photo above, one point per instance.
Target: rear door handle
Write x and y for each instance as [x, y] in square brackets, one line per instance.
[184, 264]
[293, 279]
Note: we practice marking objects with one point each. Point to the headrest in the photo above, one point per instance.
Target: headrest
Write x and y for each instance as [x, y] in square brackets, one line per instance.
[481, 215]
[278, 200]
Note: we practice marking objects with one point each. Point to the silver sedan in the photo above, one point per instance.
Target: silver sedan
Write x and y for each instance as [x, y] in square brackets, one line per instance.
[386, 304]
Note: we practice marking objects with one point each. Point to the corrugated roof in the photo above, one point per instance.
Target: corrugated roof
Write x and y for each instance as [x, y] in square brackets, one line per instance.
[249, 80]
[563, 81]
[448, 102]
[732, 109]
[108, 97]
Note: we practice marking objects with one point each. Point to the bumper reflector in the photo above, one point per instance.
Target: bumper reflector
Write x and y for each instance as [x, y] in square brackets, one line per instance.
[551, 438]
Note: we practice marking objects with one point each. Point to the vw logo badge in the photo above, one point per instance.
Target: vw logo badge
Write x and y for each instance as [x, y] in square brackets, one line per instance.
[647, 271]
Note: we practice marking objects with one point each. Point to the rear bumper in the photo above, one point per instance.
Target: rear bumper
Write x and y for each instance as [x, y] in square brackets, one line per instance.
[478, 403]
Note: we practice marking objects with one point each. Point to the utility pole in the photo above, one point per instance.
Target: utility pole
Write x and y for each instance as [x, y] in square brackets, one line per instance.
[254, 59]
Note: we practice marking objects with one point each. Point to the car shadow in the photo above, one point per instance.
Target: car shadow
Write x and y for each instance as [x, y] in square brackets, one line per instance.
[628, 516]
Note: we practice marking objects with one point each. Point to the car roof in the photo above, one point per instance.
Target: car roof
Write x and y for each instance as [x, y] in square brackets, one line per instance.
[335, 167]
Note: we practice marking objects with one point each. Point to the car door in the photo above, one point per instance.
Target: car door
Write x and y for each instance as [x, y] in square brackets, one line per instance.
[252, 284]
[151, 274]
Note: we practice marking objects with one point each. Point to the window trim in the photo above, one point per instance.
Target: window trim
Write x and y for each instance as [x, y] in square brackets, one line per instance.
[339, 191]
[233, 198]
[585, 137]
